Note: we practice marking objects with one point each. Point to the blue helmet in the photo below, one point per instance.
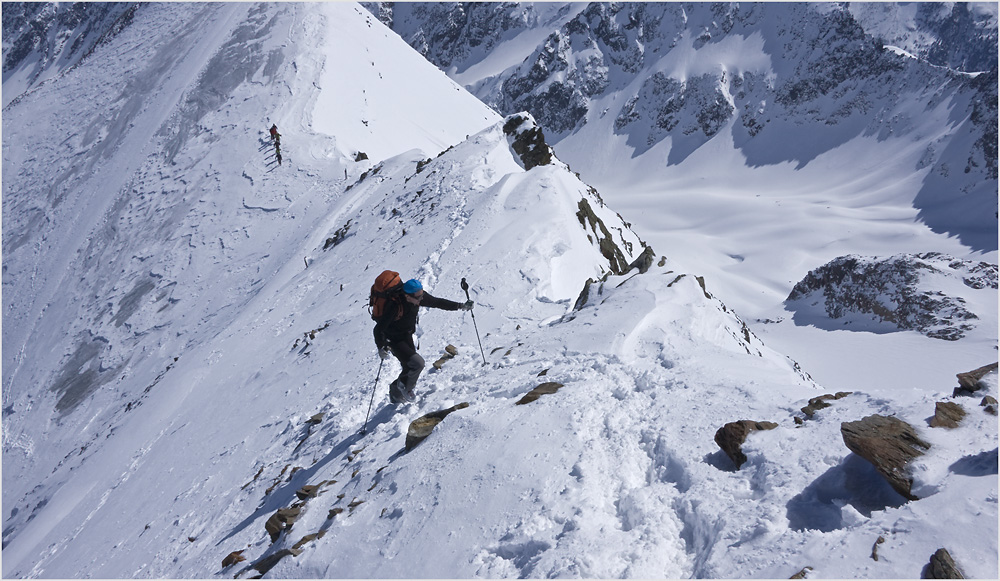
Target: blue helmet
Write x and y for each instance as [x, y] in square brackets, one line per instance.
[412, 286]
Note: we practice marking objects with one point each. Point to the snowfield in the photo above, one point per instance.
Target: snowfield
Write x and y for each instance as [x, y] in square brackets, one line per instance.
[188, 358]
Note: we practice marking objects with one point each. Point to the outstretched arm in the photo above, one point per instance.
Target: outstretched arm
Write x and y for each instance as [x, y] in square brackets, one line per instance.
[429, 300]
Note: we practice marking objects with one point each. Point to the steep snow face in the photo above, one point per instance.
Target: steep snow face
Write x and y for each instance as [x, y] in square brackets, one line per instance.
[187, 349]
[374, 93]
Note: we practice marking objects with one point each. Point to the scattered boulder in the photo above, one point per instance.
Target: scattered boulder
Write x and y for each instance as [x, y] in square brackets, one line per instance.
[308, 491]
[820, 402]
[449, 353]
[731, 436]
[942, 566]
[233, 558]
[309, 539]
[542, 389]
[281, 520]
[267, 563]
[989, 404]
[802, 574]
[878, 542]
[422, 427]
[361, 156]
[947, 415]
[316, 419]
[969, 381]
[889, 444]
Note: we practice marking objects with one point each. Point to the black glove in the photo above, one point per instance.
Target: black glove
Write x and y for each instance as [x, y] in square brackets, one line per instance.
[467, 306]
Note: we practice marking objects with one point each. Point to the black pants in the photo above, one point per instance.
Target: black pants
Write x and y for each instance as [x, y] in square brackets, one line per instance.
[412, 363]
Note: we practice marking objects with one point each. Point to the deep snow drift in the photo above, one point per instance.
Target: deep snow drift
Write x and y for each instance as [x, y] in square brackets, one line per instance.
[187, 355]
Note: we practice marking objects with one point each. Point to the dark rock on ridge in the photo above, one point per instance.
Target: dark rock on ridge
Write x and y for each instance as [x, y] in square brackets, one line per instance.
[942, 566]
[731, 436]
[889, 444]
[528, 141]
[947, 415]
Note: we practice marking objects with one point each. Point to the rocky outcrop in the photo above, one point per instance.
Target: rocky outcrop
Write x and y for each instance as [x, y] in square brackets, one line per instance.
[422, 427]
[947, 415]
[527, 140]
[546, 388]
[902, 291]
[969, 382]
[889, 444]
[697, 105]
[605, 241]
[832, 70]
[989, 405]
[942, 566]
[731, 436]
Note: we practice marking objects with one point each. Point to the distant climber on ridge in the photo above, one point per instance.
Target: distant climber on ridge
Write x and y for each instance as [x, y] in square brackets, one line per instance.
[275, 136]
[395, 309]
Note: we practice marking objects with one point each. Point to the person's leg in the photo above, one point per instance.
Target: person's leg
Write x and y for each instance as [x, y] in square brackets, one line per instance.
[413, 365]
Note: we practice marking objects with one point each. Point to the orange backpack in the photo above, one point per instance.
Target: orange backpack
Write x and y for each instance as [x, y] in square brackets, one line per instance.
[386, 299]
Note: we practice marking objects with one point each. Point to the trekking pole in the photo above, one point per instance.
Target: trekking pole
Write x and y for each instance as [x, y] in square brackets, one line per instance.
[365, 429]
[465, 287]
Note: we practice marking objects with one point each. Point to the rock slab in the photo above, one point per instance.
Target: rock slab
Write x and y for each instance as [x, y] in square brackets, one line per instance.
[889, 444]
[422, 427]
[947, 414]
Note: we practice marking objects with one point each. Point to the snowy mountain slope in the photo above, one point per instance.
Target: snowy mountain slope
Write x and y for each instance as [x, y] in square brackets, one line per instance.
[126, 220]
[744, 110]
[960, 36]
[43, 40]
[230, 311]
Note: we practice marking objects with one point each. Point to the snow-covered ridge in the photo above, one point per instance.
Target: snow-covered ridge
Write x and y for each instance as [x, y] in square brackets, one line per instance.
[667, 103]
[188, 359]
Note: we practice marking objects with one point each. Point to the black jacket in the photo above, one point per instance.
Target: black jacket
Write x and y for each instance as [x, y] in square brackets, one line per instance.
[387, 331]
